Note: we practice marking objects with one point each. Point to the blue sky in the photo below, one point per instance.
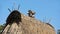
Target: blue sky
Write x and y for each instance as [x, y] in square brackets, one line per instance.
[45, 10]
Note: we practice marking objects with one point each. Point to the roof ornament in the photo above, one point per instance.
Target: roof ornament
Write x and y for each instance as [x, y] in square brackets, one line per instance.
[18, 6]
[14, 8]
[9, 10]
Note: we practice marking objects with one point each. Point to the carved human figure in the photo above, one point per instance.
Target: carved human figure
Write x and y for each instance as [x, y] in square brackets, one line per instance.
[31, 13]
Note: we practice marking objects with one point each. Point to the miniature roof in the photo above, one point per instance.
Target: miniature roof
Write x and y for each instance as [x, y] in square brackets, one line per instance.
[14, 16]
[50, 25]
